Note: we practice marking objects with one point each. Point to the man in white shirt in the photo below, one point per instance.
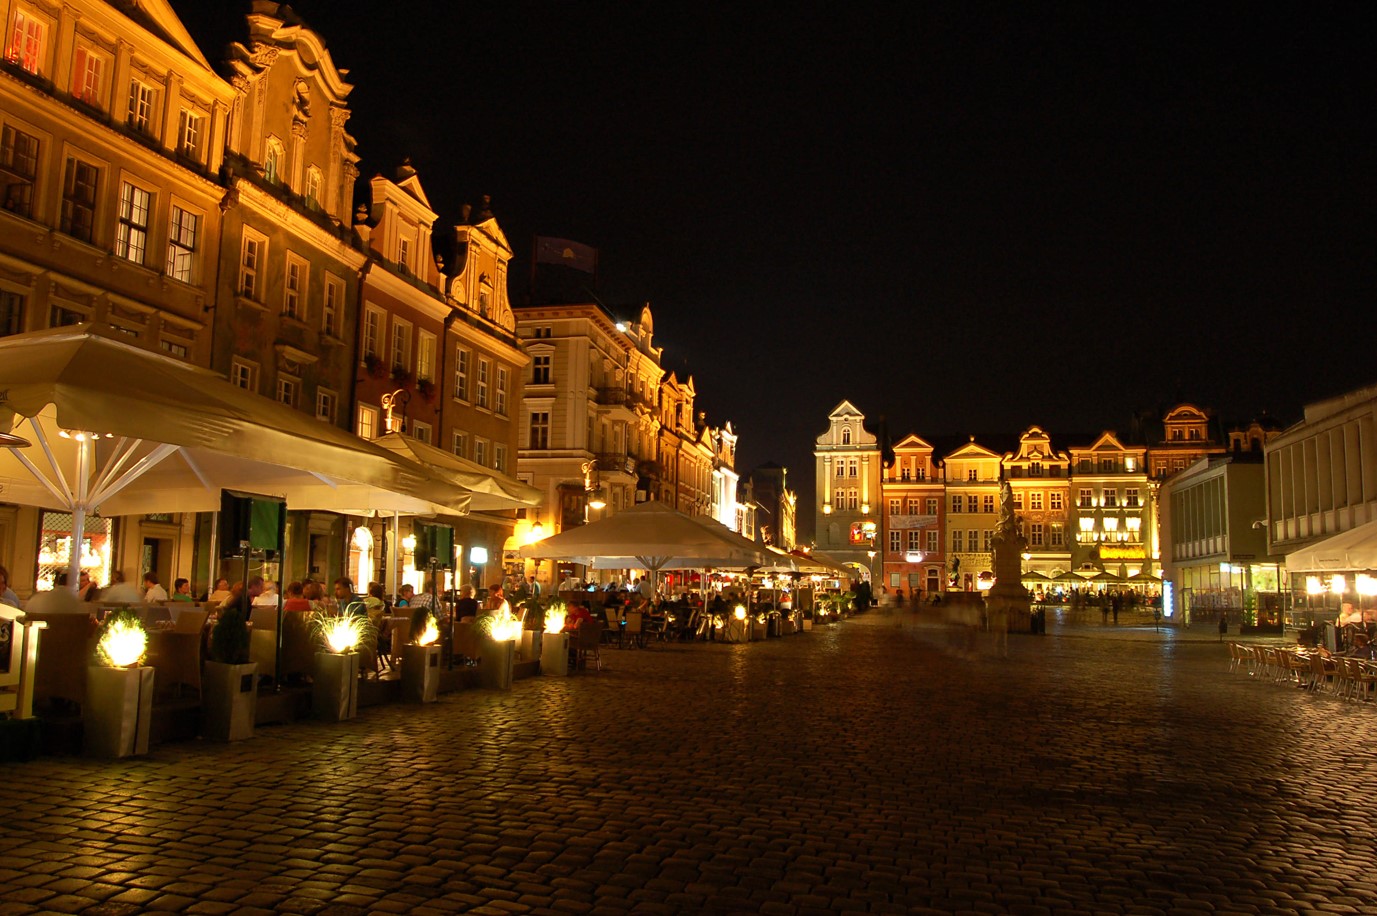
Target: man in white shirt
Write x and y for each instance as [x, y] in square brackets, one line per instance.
[57, 600]
[152, 591]
[533, 587]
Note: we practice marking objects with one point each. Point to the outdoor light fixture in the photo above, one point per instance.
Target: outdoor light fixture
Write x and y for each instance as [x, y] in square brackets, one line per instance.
[10, 440]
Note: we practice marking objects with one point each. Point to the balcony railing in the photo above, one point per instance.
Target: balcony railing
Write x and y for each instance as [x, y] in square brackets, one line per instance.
[615, 462]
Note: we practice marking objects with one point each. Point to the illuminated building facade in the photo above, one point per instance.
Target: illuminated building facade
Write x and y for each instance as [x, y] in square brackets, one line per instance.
[1112, 515]
[776, 506]
[914, 502]
[972, 475]
[1039, 482]
[111, 136]
[1186, 437]
[847, 459]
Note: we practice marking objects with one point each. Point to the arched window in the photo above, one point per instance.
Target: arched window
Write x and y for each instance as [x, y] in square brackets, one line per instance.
[846, 435]
[274, 161]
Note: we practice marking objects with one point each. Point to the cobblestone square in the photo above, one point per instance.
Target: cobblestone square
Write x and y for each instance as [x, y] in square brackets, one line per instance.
[860, 767]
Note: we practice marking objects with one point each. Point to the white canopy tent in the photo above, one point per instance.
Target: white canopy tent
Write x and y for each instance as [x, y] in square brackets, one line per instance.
[487, 489]
[650, 536]
[98, 425]
[1354, 550]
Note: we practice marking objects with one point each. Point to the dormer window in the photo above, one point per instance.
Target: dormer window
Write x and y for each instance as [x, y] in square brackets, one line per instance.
[404, 255]
[846, 435]
[274, 162]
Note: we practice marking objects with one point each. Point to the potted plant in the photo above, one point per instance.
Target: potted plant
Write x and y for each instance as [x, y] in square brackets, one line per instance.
[402, 375]
[497, 650]
[230, 685]
[119, 689]
[554, 644]
[425, 387]
[335, 680]
[421, 658]
[374, 366]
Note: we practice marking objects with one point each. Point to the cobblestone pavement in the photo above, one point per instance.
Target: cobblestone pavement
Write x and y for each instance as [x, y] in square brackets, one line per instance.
[862, 767]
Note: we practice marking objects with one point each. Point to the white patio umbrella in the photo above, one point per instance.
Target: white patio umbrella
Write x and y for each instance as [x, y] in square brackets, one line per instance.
[488, 489]
[117, 429]
[651, 536]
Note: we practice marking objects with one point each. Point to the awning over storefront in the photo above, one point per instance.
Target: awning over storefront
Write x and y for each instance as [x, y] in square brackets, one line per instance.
[1352, 550]
[489, 490]
[116, 429]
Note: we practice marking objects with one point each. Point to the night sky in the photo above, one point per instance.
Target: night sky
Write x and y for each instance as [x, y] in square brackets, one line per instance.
[969, 218]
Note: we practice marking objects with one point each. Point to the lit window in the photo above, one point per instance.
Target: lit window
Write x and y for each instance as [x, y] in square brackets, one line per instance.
[18, 170]
[87, 69]
[367, 421]
[140, 116]
[175, 348]
[181, 244]
[425, 356]
[26, 42]
[79, 199]
[131, 236]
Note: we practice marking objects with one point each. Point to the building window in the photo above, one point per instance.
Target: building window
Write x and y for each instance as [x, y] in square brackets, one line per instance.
[972, 503]
[401, 344]
[461, 444]
[131, 236]
[26, 42]
[372, 332]
[88, 68]
[986, 540]
[1017, 497]
[841, 469]
[988, 503]
[956, 541]
[244, 375]
[287, 388]
[846, 435]
[59, 316]
[932, 540]
[252, 252]
[274, 161]
[853, 468]
[404, 256]
[329, 309]
[1054, 501]
[181, 244]
[894, 507]
[500, 402]
[482, 394]
[1058, 535]
[140, 116]
[327, 403]
[190, 131]
[499, 458]
[896, 541]
[18, 170]
[425, 356]
[1035, 534]
[368, 421]
[1035, 500]
[11, 312]
[294, 289]
[540, 370]
[480, 452]
[421, 432]
[914, 536]
[540, 430]
[175, 348]
[461, 374]
[79, 199]
[313, 186]
[956, 503]
[1111, 498]
[1087, 498]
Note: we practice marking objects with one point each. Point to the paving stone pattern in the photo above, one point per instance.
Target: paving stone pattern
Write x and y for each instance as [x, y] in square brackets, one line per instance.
[863, 767]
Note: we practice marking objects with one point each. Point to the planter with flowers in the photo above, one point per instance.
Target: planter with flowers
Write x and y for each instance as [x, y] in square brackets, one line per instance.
[497, 650]
[554, 645]
[335, 678]
[374, 366]
[421, 659]
[119, 689]
[229, 687]
[402, 376]
[425, 387]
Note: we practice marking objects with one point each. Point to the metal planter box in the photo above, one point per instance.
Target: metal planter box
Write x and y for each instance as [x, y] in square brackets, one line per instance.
[421, 673]
[335, 686]
[118, 710]
[229, 701]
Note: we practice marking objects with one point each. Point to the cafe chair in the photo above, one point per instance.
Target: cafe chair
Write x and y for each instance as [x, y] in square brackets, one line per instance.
[634, 631]
[588, 644]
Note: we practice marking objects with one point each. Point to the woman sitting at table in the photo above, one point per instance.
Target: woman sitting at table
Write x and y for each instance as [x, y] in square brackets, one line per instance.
[577, 614]
[295, 598]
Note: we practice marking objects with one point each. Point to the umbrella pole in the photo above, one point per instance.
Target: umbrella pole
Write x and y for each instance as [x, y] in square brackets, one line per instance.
[83, 483]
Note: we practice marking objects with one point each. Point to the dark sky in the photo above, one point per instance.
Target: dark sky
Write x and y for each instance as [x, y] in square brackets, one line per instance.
[966, 217]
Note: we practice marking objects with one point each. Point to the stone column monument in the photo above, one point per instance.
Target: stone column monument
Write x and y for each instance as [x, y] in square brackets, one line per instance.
[1007, 600]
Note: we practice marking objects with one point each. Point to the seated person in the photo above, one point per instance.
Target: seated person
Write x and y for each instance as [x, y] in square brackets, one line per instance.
[314, 593]
[375, 605]
[221, 593]
[295, 598]
[405, 595]
[153, 592]
[1361, 648]
[577, 614]
[57, 600]
[181, 590]
[269, 596]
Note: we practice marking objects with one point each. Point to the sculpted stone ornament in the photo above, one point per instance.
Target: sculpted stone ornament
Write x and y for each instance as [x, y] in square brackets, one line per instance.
[1007, 604]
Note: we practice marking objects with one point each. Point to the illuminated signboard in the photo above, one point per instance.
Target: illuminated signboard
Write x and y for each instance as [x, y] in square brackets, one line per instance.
[1122, 553]
[863, 533]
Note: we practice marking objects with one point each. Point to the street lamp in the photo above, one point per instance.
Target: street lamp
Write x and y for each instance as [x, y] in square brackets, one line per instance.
[592, 494]
[395, 400]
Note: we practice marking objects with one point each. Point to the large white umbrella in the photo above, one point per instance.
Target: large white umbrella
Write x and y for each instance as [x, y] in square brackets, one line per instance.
[650, 536]
[117, 429]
